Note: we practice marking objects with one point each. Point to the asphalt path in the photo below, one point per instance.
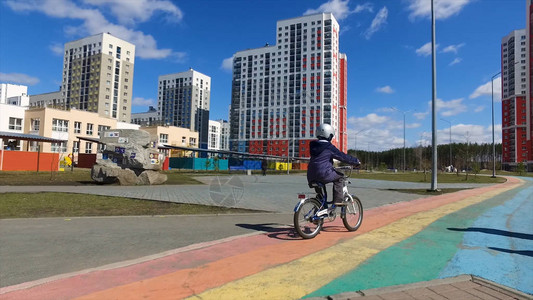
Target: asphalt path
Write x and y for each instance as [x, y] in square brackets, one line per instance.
[37, 248]
[43, 247]
[496, 232]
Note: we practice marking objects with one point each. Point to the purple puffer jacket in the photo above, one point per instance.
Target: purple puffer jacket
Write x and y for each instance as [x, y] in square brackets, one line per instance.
[320, 167]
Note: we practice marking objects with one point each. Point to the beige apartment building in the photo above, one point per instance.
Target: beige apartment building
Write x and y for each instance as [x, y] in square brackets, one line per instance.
[80, 131]
[175, 136]
[69, 126]
[98, 76]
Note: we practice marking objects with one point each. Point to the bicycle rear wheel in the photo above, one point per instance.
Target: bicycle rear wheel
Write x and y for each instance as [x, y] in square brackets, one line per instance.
[352, 213]
[305, 221]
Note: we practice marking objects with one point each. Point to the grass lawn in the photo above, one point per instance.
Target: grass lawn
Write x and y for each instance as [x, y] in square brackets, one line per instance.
[32, 205]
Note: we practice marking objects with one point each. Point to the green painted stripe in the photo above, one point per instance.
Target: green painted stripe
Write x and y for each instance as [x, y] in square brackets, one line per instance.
[418, 258]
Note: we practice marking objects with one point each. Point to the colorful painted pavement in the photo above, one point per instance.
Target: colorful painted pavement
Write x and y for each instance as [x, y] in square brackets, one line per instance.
[486, 232]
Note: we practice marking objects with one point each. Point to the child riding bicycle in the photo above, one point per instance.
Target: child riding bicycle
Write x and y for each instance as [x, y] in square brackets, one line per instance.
[320, 169]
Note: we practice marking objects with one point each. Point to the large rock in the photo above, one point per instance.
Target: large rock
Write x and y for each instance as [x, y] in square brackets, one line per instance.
[151, 177]
[112, 174]
[127, 157]
[130, 148]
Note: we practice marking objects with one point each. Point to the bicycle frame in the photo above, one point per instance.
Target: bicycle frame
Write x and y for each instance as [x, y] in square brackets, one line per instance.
[322, 197]
[310, 211]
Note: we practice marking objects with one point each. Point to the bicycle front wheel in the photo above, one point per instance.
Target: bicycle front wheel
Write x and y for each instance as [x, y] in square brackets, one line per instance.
[305, 221]
[352, 213]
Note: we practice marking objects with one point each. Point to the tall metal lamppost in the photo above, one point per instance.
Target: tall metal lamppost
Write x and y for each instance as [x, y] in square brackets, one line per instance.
[450, 139]
[493, 145]
[433, 101]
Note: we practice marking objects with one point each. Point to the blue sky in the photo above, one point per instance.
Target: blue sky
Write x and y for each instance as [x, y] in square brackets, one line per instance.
[386, 42]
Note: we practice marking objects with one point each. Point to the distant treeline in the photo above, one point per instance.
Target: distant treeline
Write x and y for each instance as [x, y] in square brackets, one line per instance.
[463, 156]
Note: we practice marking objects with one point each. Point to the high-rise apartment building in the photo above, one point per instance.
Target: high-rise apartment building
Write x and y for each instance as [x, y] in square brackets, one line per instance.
[282, 93]
[517, 102]
[183, 101]
[98, 76]
[218, 135]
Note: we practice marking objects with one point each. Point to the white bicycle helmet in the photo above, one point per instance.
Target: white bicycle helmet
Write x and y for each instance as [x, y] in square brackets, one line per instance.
[325, 131]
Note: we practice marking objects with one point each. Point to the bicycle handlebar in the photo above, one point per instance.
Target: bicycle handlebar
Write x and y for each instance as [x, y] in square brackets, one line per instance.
[342, 168]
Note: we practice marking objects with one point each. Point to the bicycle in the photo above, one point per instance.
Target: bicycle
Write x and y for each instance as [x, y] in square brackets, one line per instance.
[310, 212]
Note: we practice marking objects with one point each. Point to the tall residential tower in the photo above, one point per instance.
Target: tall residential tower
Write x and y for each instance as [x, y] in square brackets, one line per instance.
[98, 76]
[515, 99]
[183, 101]
[282, 93]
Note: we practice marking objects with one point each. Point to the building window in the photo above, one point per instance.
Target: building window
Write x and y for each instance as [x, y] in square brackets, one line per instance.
[192, 141]
[183, 140]
[77, 127]
[59, 147]
[35, 124]
[75, 146]
[163, 138]
[88, 147]
[15, 124]
[89, 129]
[59, 125]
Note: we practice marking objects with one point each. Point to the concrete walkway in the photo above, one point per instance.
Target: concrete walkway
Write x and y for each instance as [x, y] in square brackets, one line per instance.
[273, 193]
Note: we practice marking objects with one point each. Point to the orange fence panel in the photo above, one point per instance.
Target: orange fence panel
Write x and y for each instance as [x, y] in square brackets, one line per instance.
[29, 161]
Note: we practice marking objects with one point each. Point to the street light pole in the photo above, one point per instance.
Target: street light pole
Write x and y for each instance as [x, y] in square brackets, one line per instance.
[493, 145]
[450, 139]
[433, 101]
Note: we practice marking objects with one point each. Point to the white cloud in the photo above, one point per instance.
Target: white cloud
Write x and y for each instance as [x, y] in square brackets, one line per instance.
[443, 8]
[425, 50]
[479, 108]
[385, 89]
[339, 9]
[57, 49]
[421, 115]
[379, 20]
[370, 120]
[362, 7]
[455, 61]
[453, 48]
[444, 108]
[227, 64]
[469, 133]
[18, 78]
[377, 132]
[487, 90]
[94, 22]
[451, 108]
[139, 101]
[131, 12]
[179, 57]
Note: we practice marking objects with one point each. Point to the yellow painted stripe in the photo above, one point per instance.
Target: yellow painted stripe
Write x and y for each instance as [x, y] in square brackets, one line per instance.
[303, 276]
